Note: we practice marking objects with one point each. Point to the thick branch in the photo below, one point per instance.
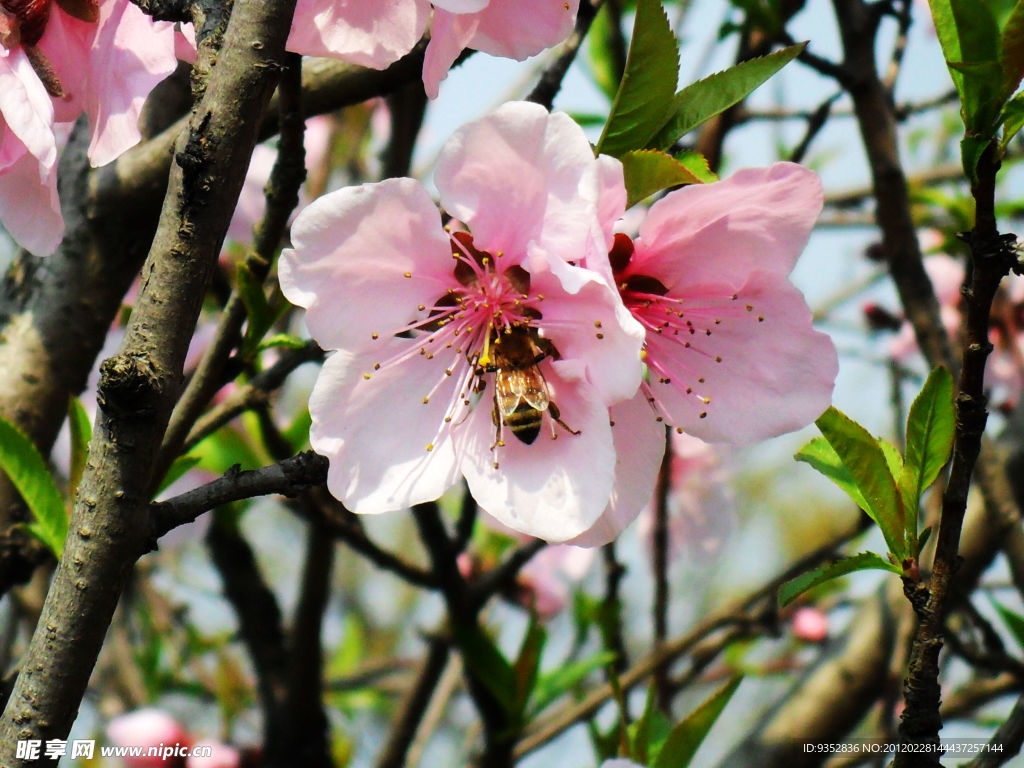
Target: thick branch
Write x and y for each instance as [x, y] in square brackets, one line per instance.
[139, 384]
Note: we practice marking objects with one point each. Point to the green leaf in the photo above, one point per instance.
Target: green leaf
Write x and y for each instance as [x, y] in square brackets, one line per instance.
[1014, 621]
[949, 38]
[527, 664]
[983, 97]
[1012, 120]
[714, 94]
[686, 738]
[649, 170]
[28, 472]
[971, 148]
[602, 64]
[1011, 47]
[930, 427]
[698, 166]
[865, 461]
[642, 103]
[822, 456]
[559, 681]
[488, 665]
[793, 588]
[285, 340]
[81, 433]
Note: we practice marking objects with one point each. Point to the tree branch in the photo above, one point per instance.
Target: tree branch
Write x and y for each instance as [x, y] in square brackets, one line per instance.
[139, 385]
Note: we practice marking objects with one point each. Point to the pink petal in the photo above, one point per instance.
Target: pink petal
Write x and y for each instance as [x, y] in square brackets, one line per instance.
[370, 34]
[757, 219]
[524, 181]
[449, 34]
[29, 208]
[130, 54]
[375, 431]
[552, 489]
[591, 324]
[518, 29]
[351, 250]
[775, 374]
[639, 447]
[26, 108]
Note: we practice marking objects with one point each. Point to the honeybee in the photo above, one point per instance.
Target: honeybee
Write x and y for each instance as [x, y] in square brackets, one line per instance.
[520, 392]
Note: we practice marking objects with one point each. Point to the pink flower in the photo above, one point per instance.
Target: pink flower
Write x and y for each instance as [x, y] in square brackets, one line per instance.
[514, 29]
[408, 403]
[730, 350]
[103, 60]
[146, 728]
[810, 624]
[378, 34]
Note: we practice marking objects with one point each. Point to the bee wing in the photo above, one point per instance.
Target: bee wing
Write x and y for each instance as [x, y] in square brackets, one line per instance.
[528, 385]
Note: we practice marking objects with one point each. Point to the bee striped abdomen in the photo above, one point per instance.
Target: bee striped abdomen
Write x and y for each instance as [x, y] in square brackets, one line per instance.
[524, 422]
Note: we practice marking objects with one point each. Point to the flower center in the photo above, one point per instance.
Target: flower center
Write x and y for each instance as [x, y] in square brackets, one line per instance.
[23, 21]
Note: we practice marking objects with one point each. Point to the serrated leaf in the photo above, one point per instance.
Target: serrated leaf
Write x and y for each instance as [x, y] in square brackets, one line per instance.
[558, 681]
[820, 454]
[930, 428]
[864, 561]
[698, 166]
[27, 470]
[685, 739]
[714, 94]
[648, 171]
[527, 664]
[1014, 621]
[865, 461]
[81, 433]
[645, 93]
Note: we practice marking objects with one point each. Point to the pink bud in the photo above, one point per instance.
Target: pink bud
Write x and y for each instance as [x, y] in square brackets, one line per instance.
[810, 624]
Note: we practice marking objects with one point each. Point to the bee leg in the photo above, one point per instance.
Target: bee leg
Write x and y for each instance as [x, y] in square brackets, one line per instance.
[557, 417]
[499, 434]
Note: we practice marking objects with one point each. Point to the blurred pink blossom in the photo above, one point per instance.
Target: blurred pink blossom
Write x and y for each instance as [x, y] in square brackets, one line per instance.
[252, 199]
[810, 624]
[1004, 373]
[545, 583]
